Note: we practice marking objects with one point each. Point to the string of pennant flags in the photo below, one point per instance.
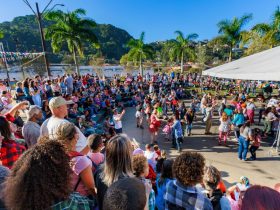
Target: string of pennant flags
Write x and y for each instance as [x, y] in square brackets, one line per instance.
[14, 56]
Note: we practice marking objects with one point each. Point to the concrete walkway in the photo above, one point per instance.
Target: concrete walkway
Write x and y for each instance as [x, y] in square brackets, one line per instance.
[264, 171]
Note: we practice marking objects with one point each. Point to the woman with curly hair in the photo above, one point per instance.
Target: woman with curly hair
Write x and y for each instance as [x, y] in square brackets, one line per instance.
[181, 193]
[40, 179]
[81, 165]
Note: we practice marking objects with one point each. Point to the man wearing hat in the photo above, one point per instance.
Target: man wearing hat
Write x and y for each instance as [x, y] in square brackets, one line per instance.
[58, 107]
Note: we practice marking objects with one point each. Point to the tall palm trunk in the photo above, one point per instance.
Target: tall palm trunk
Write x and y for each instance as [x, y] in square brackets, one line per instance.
[75, 61]
[230, 53]
[140, 63]
[182, 62]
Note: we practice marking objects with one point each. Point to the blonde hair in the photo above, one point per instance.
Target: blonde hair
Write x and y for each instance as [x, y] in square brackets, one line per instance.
[118, 159]
[65, 133]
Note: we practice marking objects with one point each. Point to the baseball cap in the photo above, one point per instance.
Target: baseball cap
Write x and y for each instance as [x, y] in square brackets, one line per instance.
[59, 101]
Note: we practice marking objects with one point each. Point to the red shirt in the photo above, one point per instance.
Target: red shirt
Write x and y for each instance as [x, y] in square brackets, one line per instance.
[10, 152]
[152, 175]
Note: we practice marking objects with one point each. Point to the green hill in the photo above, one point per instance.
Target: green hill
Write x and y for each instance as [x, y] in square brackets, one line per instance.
[22, 34]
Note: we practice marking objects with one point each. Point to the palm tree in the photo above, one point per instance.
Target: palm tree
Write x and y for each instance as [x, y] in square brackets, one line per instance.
[71, 29]
[231, 31]
[139, 51]
[270, 32]
[181, 47]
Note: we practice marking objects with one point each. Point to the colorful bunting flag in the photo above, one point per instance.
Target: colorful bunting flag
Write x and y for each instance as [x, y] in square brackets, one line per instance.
[13, 56]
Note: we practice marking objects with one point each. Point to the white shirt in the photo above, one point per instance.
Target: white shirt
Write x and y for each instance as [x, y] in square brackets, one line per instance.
[117, 122]
[151, 157]
[50, 126]
[138, 114]
[272, 102]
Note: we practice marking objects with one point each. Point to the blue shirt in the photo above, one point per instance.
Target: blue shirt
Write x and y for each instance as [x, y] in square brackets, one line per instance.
[238, 119]
[178, 129]
[161, 190]
[180, 196]
[228, 111]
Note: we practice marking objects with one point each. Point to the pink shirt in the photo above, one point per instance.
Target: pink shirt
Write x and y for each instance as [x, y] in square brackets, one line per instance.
[78, 164]
[233, 203]
[97, 157]
[257, 141]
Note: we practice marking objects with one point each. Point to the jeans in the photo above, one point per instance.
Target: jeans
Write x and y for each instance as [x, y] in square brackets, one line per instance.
[243, 148]
[37, 100]
[253, 150]
[179, 141]
[189, 128]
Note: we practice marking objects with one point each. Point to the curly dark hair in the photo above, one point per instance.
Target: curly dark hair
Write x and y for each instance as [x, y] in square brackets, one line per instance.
[139, 162]
[40, 177]
[188, 168]
[5, 128]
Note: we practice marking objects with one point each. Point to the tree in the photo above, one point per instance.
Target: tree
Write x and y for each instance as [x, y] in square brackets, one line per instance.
[139, 51]
[1, 34]
[270, 32]
[201, 56]
[181, 47]
[231, 31]
[255, 42]
[71, 29]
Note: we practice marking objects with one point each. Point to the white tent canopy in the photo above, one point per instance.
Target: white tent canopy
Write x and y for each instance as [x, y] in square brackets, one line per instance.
[260, 66]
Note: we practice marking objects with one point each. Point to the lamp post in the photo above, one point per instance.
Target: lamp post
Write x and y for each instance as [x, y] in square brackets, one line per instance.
[38, 16]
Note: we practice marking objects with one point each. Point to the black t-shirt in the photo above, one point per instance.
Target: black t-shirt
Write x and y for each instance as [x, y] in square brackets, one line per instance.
[100, 186]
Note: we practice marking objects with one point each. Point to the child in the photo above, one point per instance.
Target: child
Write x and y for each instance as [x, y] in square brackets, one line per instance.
[189, 120]
[256, 143]
[151, 155]
[6, 100]
[95, 143]
[224, 127]
[141, 171]
[167, 129]
[139, 117]
[157, 150]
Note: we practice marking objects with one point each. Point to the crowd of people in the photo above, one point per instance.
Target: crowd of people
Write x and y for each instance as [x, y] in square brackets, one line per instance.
[70, 151]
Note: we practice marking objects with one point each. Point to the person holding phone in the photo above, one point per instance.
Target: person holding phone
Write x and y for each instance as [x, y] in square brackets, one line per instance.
[117, 118]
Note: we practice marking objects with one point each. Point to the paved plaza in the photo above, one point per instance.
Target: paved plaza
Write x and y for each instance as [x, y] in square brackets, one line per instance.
[265, 170]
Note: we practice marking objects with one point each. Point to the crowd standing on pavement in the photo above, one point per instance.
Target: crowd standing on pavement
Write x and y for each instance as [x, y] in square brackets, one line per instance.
[71, 153]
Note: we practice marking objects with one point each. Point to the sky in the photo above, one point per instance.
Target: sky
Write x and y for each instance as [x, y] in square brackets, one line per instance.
[159, 19]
